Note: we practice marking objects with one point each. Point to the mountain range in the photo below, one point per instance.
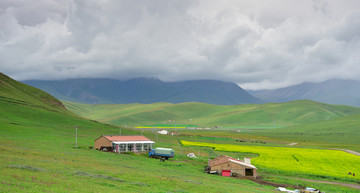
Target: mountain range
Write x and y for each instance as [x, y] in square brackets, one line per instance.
[144, 90]
[343, 92]
[152, 90]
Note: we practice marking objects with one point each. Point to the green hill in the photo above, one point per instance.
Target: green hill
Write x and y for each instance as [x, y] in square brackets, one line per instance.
[19, 93]
[341, 132]
[270, 115]
[38, 153]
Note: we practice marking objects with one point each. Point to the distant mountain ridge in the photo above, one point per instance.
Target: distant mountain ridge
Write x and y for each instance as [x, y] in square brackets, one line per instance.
[145, 90]
[343, 92]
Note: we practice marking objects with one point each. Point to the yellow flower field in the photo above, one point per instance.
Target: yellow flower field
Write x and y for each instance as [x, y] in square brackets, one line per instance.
[332, 163]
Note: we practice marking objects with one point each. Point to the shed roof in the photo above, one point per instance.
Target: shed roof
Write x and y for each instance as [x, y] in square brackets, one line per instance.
[224, 159]
[115, 138]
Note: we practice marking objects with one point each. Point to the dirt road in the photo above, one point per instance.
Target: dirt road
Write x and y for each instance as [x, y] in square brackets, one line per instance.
[357, 186]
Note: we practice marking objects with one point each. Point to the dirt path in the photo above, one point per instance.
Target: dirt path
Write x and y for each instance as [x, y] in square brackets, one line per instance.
[292, 144]
[350, 151]
[274, 184]
[347, 151]
[357, 186]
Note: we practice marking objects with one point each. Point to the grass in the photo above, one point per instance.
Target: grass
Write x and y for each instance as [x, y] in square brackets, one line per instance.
[307, 123]
[302, 183]
[166, 126]
[321, 163]
[37, 142]
[342, 132]
[271, 115]
[38, 154]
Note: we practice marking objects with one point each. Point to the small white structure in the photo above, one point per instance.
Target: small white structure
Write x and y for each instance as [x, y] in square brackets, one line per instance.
[163, 132]
[191, 155]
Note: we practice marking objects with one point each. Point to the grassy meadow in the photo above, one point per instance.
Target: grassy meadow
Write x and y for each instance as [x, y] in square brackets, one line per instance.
[306, 123]
[268, 116]
[37, 142]
[292, 161]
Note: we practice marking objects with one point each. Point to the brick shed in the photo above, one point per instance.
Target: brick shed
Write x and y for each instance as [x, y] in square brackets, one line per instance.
[123, 143]
[228, 166]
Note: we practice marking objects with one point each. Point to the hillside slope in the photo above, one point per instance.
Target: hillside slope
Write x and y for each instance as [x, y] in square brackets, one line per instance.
[340, 131]
[18, 92]
[268, 115]
[38, 153]
[145, 90]
[344, 92]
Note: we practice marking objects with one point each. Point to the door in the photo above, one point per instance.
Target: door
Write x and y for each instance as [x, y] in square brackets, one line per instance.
[249, 172]
[130, 147]
[226, 173]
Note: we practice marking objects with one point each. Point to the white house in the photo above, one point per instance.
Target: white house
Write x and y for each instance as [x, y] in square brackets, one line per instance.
[163, 132]
[123, 143]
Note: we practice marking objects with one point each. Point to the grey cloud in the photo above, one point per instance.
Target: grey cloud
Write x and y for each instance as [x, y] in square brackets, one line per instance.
[256, 44]
[31, 13]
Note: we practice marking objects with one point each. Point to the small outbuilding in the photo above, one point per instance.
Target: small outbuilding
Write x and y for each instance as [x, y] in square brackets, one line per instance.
[163, 132]
[123, 143]
[172, 133]
[228, 166]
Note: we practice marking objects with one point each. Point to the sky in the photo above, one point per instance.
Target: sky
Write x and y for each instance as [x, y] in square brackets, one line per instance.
[258, 44]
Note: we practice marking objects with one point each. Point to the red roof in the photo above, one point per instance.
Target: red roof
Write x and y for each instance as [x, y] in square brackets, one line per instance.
[126, 138]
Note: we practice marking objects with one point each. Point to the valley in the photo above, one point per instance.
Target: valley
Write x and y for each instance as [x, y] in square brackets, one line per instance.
[39, 151]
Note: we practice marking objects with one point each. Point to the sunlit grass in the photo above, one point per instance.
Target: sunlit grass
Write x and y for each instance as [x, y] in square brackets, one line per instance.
[314, 162]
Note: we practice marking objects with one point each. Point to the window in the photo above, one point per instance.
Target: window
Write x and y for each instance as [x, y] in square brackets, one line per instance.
[122, 147]
[130, 147]
[138, 146]
[145, 146]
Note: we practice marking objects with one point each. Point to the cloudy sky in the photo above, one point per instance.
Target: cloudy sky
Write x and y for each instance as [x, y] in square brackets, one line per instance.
[257, 44]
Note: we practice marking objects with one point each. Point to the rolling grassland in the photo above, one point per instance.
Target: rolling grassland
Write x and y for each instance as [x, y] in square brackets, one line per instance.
[37, 142]
[271, 115]
[331, 164]
[342, 132]
[306, 123]
[38, 154]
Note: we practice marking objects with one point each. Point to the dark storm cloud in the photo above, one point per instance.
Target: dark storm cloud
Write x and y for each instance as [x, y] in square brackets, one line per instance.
[257, 44]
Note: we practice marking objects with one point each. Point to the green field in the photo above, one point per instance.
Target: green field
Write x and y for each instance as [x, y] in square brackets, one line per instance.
[295, 161]
[37, 142]
[38, 154]
[307, 123]
[271, 115]
[166, 126]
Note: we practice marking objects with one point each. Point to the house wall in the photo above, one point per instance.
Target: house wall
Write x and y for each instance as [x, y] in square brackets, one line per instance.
[102, 141]
[236, 168]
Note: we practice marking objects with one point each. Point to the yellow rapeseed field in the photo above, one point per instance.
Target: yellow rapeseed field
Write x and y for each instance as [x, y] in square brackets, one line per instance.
[319, 162]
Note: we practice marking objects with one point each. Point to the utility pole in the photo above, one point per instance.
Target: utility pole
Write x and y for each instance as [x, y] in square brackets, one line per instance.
[119, 131]
[76, 138]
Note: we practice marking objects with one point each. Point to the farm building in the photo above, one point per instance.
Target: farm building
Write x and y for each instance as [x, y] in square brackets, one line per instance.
[163, 132]
[227, 166]
[123, 143]
[172, 133]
